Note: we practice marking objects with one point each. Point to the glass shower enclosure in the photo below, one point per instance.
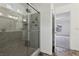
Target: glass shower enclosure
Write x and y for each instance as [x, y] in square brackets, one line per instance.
[19, 33]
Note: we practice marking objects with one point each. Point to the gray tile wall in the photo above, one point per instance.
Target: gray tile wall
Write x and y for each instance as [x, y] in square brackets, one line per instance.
[9, 39]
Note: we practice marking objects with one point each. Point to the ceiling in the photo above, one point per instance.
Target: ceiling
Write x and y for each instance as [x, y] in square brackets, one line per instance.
[60, 4]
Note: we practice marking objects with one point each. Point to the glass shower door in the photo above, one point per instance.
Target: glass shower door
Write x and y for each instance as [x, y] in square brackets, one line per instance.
[33, 30]
[62, 34]
[19, 33]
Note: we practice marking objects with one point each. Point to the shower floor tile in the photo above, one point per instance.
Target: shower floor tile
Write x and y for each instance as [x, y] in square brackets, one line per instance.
[16, 48]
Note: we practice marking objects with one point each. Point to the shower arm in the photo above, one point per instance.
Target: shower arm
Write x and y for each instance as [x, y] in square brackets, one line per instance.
[33, 7]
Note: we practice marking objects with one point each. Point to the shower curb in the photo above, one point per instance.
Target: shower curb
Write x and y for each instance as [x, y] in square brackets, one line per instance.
[36, 53]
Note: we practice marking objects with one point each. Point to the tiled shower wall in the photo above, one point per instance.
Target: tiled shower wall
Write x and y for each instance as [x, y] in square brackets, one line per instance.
[9, 39]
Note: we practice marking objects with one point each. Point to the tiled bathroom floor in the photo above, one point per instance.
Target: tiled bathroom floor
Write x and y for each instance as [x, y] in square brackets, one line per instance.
[65, 52]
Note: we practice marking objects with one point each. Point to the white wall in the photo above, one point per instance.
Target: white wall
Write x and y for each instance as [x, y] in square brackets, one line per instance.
[75, 27]
[74, 19]
[45, 27]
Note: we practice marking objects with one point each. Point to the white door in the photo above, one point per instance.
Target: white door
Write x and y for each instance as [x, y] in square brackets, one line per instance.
[62, 32]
